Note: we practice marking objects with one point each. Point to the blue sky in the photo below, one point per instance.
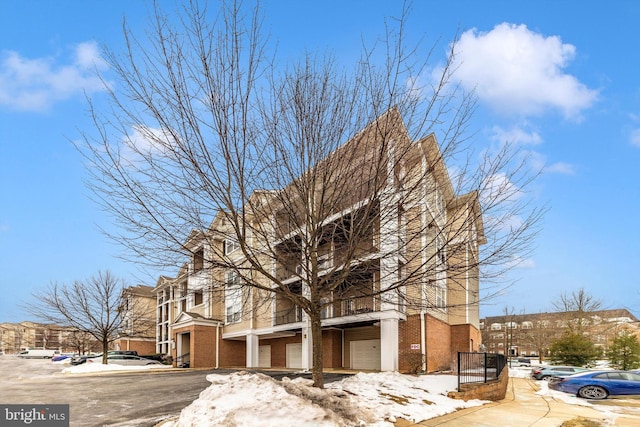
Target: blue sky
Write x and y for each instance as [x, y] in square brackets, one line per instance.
[560, 78]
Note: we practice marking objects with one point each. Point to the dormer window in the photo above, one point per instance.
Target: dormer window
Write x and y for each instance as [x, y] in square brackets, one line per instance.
[198, 260]
[230, 246]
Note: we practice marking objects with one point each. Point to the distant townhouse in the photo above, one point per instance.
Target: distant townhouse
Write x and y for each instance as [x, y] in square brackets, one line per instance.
[203, 321]
[532, 334]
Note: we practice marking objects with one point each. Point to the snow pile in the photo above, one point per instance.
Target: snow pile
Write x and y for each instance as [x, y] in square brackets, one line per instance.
[520, 372]
[374, 399]
[86, 368]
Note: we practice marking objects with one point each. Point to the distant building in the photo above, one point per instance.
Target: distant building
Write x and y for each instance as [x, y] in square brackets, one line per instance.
[532, 334]
[16, 337]
[138, 320]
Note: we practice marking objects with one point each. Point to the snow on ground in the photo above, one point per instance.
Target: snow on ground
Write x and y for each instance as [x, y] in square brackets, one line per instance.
[366, 399]
[608, 411]
[99, 367]
[520, 372]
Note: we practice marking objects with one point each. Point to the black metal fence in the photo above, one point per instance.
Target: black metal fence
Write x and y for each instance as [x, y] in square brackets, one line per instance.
[479, 367]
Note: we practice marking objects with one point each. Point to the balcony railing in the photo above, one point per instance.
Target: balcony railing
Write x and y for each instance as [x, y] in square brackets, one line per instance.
[349, 307]
[290, 315]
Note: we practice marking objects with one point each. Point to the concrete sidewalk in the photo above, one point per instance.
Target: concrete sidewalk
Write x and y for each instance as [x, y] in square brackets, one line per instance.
[522, 407]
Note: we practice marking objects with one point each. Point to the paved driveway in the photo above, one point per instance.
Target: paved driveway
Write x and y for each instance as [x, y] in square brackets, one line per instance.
[124, 399]
[138, 398]
[523, 407]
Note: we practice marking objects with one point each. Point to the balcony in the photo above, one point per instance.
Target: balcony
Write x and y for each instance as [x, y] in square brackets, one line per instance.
[349, 307]
[359, 305]
[290, 315]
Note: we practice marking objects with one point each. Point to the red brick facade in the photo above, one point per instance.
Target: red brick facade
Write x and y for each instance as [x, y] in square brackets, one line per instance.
[143, 347]
[443, 343]
[439, 355]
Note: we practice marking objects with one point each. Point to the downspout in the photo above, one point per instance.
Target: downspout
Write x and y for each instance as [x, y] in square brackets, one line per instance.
[423, 293]
[217, 345]
[423, 340]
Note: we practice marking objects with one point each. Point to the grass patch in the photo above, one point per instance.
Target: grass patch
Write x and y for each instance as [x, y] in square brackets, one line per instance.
[581, 422]
[400, 400]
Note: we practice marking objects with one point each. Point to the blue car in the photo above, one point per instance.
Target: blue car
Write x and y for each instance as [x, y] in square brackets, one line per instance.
[599, 384]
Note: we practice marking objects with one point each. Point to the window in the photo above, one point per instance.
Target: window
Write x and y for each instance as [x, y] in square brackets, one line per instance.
[197, 297]
[527, 325]
[441, 294]
[496, 326]
[230, 246]
[325, 261]
[439, 201]
[511, 325]
[441, 253]
[233, 297]
[198, 260]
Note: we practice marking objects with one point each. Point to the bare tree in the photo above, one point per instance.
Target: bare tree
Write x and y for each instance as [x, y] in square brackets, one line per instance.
[303, 170]
[81, 342]
[89, 306]
[578, 306]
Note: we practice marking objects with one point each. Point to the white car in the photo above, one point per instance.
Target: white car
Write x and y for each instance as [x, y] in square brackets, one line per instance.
[124, 359]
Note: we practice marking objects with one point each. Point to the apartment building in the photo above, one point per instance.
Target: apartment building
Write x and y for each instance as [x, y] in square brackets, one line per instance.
[16, 337]
[532, 334]
[138, 320]
[407, 299]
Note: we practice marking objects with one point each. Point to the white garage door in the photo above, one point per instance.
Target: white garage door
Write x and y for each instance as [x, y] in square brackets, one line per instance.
[294, 356]
[264, 356]
[365, 354]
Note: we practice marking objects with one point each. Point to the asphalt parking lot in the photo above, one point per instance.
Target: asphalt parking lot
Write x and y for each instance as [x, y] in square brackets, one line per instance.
[137, 398]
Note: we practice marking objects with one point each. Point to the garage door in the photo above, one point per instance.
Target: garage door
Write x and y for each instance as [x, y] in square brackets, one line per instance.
[365, 354]
[294, 356]
[264, 356]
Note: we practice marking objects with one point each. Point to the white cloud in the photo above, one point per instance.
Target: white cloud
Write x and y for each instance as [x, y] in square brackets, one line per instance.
[519, 262]
[635, 137]
[516, 135]
[36, 84]
[497, 189]
[560, 168]
[145, 141]
[518, 71]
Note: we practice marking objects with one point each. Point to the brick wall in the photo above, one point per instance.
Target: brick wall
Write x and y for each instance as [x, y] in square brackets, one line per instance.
[409, 333]
[203, 347]
[233, 353]
[142, 347]
[439, 356]
[465, 338]
[332, 349]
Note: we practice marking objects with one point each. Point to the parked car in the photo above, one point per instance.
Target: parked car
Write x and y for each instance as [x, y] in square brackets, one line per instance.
[38, 354]
[61, 357]
[548, 373]
[79, 360]
[520, 361]
[124, 359]
[599, 384]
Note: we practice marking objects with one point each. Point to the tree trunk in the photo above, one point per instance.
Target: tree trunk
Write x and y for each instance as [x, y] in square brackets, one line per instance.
[105, 350]
[316, 335]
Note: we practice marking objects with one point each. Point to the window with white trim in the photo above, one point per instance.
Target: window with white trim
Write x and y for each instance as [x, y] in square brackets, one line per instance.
[230, 246]
[441, 294]
[233, 297]
[439, 200]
